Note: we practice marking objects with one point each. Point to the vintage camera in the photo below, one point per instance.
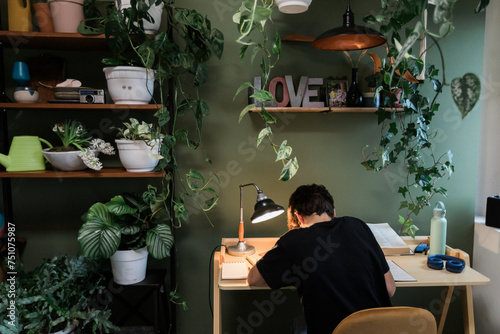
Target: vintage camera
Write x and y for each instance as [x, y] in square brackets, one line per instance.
[92, 96]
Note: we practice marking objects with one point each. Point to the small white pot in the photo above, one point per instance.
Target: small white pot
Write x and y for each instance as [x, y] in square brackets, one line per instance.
[67, 330]
[293, 6]
[129, 266]
[137, 156]
[155, 12]
[66, 161]
[130, 84]
[66, 14]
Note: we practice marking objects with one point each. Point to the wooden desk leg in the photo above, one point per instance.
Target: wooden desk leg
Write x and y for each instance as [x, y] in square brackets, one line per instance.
[217, 301]
[446, 306]
[468, 310]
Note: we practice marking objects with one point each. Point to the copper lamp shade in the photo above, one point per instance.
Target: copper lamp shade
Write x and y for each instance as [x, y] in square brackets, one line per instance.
[349, 36]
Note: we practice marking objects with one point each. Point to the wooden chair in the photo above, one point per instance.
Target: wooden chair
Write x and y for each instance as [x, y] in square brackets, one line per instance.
[388, 320]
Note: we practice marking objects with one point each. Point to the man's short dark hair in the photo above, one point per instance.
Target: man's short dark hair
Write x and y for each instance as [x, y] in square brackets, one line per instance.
[310, 199]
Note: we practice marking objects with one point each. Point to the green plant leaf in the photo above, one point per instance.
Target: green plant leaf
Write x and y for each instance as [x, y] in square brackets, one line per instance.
[481, 6]
[268, 118]
[118, 207]
[284, 151]
[276, 46]
[245, 111]
[201, 75]
[289, 170]
[443, 11]
[262, 134]
[242, 87]
[160, 240]
[217, 43]
[262, 95]
[465, 92]
[98, 240]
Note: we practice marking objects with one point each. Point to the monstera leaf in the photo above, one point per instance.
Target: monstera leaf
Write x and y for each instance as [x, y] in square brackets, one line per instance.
[465, 92]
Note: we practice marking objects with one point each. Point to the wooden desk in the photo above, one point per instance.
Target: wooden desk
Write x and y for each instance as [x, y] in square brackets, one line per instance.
[415, 265]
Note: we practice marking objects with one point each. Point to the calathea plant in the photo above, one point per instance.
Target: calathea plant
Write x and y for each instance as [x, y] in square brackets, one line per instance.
[253, 16]
[407, 136]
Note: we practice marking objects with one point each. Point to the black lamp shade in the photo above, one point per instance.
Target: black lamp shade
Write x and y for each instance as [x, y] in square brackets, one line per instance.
[349, 36]
[266, 209]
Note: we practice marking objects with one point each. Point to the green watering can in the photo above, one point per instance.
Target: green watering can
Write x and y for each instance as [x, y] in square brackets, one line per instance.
[25, 154]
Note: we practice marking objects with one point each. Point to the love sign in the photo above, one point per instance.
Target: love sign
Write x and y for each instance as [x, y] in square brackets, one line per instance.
[293, 97]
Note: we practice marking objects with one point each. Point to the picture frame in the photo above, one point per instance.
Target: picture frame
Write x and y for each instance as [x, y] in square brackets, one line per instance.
[336, 92]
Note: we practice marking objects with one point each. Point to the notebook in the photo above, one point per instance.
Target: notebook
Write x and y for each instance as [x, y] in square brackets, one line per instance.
[234, 270]
[399, 274]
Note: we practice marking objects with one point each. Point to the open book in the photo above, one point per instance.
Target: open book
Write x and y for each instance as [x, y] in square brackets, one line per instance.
[390, 242]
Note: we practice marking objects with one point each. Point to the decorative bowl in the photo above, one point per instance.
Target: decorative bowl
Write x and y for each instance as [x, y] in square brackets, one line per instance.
[66, 161]
[26, 95]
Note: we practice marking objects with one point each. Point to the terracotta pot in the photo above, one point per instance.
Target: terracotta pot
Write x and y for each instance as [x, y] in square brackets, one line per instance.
[43, 17]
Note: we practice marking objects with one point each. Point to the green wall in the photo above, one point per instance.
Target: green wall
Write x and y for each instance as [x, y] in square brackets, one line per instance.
[328, 148]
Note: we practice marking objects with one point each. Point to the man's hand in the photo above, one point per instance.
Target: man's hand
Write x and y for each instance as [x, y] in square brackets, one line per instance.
[255, 278]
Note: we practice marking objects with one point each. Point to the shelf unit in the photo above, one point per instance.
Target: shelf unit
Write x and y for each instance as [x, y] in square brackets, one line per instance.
[145, 107]
[325, 110]
[61, 41]
[73, 42]
[112, 172]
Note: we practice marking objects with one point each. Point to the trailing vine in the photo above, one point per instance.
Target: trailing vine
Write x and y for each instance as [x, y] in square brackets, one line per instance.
[253, 16]
[177, 55]
[406, 136]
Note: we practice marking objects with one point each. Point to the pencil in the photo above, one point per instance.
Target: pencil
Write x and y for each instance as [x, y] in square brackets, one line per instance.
[250, 260]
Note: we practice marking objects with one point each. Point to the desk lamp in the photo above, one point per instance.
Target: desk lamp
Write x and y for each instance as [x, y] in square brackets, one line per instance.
[264, 209]
[349, 36]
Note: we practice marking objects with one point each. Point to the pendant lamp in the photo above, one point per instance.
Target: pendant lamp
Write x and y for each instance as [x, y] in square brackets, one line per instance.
[349, 36]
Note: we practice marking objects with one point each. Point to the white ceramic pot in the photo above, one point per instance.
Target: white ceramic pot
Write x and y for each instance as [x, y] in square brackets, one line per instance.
[137, 156]
[130, 84]
[293, 6]
[66, 15]
[26, 95]
[155, 12]
[129, 266]
[66, 161]
[67, 330]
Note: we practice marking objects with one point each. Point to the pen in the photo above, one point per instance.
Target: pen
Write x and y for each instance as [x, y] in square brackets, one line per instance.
[250, 260]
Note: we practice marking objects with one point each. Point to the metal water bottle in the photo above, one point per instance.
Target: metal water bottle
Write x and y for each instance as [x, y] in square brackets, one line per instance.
[438, 230]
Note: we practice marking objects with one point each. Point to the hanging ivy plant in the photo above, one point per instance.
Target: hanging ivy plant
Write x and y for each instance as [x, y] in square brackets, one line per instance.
[406, 136]
[253, 16]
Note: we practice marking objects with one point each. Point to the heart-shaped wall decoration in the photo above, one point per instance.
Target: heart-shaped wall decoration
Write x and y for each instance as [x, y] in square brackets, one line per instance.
[465, 92]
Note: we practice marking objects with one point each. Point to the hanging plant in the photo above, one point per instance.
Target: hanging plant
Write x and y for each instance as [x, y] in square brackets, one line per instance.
[253, 16]
[406, 136]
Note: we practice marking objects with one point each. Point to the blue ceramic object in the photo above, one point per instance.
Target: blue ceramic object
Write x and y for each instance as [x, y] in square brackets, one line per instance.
[20, 73]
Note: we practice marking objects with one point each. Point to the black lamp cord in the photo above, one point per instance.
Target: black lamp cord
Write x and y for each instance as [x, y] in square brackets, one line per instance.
[210, 277]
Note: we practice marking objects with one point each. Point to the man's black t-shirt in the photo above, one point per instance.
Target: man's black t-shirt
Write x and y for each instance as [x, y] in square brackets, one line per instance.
[337, 267]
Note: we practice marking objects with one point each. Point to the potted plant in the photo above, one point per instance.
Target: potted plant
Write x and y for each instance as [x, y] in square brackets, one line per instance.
[62, 294]
[139, 146]
[77, 151]
[126, 229]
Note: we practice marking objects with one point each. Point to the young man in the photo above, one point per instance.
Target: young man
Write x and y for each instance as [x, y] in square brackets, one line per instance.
[336, 264]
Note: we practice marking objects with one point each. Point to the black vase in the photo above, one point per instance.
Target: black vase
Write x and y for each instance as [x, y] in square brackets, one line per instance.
[354, 97]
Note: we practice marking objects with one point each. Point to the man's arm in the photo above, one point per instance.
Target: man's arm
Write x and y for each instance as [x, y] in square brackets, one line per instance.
[389, 283]
[256, 279]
